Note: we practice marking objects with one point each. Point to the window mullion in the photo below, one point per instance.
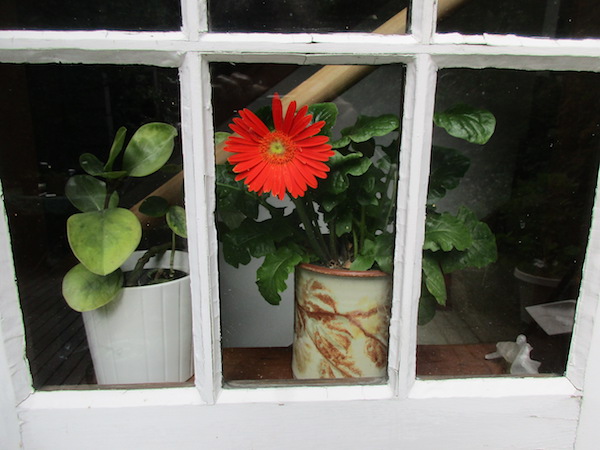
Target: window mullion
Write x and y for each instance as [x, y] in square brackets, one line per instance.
[587, 305]
[194, 18]
[198, 147]
[410, 220]
[12, 331]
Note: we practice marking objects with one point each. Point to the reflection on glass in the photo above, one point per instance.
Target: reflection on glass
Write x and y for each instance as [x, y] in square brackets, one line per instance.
[548, 18]
[96, 14]
[301, 15]
[55, 119]
[334, 210]
[533, 185]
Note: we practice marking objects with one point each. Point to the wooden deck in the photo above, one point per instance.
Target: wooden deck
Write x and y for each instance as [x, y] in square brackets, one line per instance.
[55, 338]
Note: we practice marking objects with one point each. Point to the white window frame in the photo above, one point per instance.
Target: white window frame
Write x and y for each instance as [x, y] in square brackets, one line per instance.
[544, 412]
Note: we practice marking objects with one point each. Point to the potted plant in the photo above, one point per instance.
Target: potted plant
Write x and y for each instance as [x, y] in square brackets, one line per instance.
[135, 304]
[543, 234]
[338, 237]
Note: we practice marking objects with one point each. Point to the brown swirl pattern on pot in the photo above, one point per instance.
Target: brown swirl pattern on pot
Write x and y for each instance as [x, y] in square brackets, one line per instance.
[333, 332]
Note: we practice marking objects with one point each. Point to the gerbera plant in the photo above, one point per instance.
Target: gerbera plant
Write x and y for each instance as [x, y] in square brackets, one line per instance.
[294, 191]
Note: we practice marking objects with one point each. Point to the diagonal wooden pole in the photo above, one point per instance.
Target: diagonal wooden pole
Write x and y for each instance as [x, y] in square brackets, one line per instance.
[326, 84]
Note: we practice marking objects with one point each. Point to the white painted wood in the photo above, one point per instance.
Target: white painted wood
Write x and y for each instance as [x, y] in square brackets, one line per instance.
[15, 379]
[544, 422]
[586, 329]
[199, 181]
[422, 19]
[585, 344]
[410, 220]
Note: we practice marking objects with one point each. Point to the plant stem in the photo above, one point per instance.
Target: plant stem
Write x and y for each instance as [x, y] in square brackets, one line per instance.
[172, 259]
[310, 231]
[333, 250]
[139, 267]
[362, 227]
[391, 178]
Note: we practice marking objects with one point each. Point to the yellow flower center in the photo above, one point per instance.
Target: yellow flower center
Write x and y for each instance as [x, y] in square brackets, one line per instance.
[277, 147]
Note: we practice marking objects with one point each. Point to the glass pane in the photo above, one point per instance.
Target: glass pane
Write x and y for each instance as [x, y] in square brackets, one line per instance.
[304, 15]
[549, 18]
[55, 120]
[529, 189]
[88, 15]
[279, 318]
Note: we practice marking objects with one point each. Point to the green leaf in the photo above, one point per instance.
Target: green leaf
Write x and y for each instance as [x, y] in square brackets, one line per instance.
[116, 148]
[427, 307]
[176, 220]
[85, 291]
[378, 250]
[154, 206]
[340, 143]
[482, 250]
[448, 167]
[87, 193]
[354, 164]
[221, 136]
[324, 111]
[468, 123]
[272, 275]
[234, 255]
[149, 149]
[367, 127]
[103, 240]
[433, 278]
[343, 223]
[259, 237]
[234, 201]
[92, 165]
[445, 232]
[384, 251]
[366, 258]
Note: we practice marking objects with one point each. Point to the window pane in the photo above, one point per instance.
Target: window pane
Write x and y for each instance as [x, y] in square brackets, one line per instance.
[301, 16]
[51, 116]
[532, 187]
[88, 15]
[549, 18]
[265, 238]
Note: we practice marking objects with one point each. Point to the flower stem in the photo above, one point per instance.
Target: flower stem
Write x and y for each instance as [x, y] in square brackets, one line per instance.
[310, 230]
[172, 259]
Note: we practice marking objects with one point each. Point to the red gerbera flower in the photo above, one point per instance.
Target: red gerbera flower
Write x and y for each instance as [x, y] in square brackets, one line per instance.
[289, 158]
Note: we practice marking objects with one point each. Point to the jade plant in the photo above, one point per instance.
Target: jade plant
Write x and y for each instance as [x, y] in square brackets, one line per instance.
[104, 235]
[345, 220]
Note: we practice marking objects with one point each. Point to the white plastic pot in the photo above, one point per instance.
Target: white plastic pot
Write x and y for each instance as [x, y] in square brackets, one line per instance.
[145, 335]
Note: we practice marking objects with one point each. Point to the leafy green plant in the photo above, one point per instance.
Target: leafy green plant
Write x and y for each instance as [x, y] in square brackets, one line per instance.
[103, 235]
[347, 221]
[453, 241]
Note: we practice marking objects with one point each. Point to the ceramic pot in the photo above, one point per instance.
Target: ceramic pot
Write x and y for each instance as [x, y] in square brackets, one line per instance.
[145, 335]
[341, 323]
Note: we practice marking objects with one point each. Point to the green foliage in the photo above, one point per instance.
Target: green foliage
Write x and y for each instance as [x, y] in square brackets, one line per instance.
[103, 236]
[347, 221]
[465, 122]
[85, 290]
[272, 275]
[103, 240]
[453, 241]
[149, 149]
